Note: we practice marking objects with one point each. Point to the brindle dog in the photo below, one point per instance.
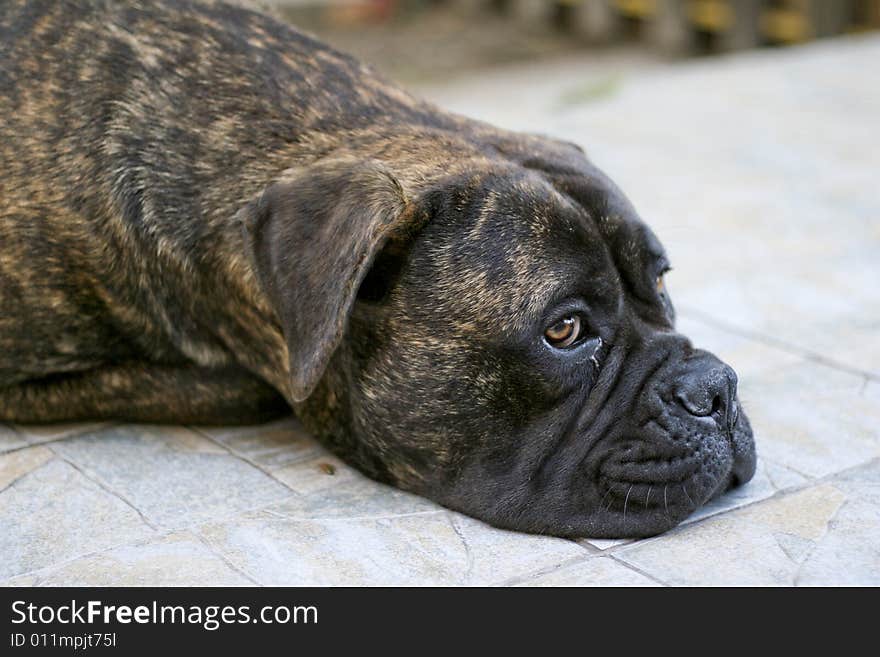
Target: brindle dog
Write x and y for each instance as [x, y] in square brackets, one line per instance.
[209, 217]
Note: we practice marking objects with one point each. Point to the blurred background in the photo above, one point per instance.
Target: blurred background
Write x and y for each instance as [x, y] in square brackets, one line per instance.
[432, 40]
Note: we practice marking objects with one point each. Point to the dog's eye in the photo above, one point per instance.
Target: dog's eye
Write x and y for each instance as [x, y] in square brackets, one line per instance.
[564, 333]
[660, 282]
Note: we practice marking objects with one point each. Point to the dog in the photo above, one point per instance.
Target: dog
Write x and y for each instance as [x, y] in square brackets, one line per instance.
[209, 217]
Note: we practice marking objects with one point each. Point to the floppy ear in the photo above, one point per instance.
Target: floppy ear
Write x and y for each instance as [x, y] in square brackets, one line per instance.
[312, 236]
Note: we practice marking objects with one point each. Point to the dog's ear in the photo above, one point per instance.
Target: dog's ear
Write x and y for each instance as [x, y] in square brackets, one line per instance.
[312, 236]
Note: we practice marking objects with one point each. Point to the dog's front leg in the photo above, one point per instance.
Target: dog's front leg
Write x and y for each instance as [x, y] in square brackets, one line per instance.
[144, 392]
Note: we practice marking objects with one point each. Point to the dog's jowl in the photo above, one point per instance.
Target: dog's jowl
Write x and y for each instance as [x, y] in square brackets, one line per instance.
[209, 217]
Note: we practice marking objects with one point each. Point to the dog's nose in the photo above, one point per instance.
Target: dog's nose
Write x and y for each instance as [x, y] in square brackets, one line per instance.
[708, 388]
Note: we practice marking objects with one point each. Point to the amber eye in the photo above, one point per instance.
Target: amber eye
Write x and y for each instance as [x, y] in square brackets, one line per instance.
[660, 282]
[564, 333]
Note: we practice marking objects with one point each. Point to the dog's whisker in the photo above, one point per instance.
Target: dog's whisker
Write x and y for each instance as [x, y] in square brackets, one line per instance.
[610, 502]
[605, 496]
[686, 495]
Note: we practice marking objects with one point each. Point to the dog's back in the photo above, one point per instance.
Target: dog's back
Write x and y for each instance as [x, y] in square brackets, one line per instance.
[186, 98]
[130, 134]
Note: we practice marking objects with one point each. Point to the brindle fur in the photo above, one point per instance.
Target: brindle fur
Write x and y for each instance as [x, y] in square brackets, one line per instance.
[207, 216]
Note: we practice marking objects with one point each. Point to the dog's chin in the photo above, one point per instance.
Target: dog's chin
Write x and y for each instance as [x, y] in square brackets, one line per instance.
[649, 484]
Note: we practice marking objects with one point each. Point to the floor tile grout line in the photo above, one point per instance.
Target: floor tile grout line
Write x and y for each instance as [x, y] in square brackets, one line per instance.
[770, 341]
[565, 563]
[87, 427]
[91, 553]
[232, 515]
[19, 478]
[590, 549]
[13, 450]
[467, 548]
[816, 542]
[23, 474]
[47, 443]
[159, 535]
[94, 478]
[246, 459]
[787, 467]
[192, 527]
[813, 481]
[638, 570]
[217, 553]
[613, 548]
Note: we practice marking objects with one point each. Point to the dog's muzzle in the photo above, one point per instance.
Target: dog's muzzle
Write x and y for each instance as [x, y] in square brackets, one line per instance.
[692, 447]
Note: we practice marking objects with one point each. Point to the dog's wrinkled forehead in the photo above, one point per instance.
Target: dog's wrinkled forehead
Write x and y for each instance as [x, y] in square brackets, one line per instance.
[506, 245]
[632, 243]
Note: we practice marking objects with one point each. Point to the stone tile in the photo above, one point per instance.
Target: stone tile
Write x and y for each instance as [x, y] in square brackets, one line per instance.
[272, 445]
[10, 439]
[849, 554]
[316, 474]
[177, 559]
[355, 497]
[416, 549]
[769, 479]
[179, 439]
[16, 465]
[53, 513]
[36, 434]
[747, 357]
[604, 543]
[782, 305]
[856, 343]
[594, 571]
[410, 550]
[175, 477]
[780, 477]
[763, 544]
[496, 555]
[813, 419]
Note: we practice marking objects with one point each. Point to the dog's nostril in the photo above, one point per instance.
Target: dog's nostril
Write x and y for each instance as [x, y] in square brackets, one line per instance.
[733, 482]
[709, 391]
[702, 407]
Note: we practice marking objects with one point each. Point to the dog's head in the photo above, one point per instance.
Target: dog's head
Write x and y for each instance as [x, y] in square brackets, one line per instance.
[501, 341]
